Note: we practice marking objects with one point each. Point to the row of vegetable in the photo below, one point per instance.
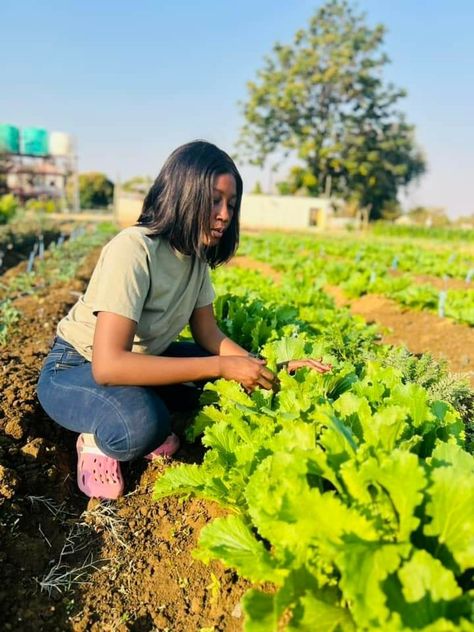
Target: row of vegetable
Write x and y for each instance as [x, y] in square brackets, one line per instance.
[40, 271]
[431, 233]
[362, 267]
[350, 495]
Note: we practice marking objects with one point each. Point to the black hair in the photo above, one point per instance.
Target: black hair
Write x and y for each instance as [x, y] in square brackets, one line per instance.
[178, 206]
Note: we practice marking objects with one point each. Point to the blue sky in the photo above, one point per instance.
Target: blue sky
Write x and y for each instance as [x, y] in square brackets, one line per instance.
[133, 80]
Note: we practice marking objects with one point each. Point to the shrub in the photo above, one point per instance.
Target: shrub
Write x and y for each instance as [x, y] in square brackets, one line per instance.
[8, 207]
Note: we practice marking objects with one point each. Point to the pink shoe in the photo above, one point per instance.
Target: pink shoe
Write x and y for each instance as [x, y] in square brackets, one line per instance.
[169, 446]
[98, 475]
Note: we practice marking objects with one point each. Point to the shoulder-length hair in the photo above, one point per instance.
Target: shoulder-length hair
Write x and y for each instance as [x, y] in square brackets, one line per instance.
[179, 204]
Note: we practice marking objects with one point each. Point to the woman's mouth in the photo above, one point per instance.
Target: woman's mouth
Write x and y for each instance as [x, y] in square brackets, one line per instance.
[216, 233]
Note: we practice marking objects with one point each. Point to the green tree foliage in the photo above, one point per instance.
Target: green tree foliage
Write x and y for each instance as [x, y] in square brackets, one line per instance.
[95, 190]
[8, 207]
[300, 181]
[428, 216]
[257, 190]
[322, 99]
[138, 184]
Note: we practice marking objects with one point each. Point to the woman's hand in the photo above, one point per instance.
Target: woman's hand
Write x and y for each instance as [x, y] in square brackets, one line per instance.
[311, 363]
[248, 371]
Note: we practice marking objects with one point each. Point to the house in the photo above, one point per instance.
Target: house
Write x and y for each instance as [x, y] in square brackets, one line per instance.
[290, 212]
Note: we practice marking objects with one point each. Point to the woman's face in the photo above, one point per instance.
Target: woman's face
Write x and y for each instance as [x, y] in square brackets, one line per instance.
[224, 197]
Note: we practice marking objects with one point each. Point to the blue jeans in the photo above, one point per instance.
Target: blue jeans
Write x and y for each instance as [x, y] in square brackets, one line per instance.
[127, 421]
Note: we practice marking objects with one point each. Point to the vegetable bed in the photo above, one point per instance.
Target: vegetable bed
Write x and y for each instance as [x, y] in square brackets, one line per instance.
[343, 501]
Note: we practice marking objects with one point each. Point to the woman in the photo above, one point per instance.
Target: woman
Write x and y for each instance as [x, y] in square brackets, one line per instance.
[114, 354]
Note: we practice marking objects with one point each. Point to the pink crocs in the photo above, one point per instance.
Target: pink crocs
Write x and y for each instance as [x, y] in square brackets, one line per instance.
[169, 446]
[98, 475]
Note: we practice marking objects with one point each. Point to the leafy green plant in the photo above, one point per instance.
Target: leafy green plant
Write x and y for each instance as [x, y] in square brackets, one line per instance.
[9, 316]
[312, 477]
[46, 205]
[350, 494]
[8, 207]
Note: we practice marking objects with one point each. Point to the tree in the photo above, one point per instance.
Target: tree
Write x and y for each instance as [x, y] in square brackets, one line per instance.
[138, 184]
[95, 190]
[257, 189]
[300, 181]
[428, 216]
[322, 100]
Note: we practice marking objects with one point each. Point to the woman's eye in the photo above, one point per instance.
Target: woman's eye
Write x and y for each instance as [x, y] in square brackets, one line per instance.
[215, 202]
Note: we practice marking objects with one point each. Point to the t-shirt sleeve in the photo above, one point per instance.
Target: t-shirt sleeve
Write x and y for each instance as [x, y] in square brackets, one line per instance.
[206, 294]
[123, 278]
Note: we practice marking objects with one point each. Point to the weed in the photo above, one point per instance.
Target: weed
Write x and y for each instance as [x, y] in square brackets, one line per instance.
[61, 577]
[104, 518]
[57, 510]
[9, 316]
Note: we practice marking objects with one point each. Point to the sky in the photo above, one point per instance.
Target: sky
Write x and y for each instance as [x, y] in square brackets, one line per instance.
[134, 79]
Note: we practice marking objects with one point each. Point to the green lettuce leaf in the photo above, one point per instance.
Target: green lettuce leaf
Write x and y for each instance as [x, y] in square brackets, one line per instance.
[231, 541]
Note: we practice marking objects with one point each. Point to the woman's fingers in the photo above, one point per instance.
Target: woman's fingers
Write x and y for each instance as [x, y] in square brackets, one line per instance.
[311, 363]
[266, 378]
[264, 383]
[267, 374]
[319, 366]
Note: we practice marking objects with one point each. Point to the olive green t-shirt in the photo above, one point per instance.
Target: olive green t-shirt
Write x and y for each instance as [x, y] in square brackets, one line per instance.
[142, 278]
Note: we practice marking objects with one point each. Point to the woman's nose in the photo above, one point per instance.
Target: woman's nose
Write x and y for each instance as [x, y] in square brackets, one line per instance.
[224, 212]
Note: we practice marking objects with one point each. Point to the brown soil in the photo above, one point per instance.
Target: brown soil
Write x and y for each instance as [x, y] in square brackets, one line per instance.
[419, 331]
[143, 576]
[241, 261]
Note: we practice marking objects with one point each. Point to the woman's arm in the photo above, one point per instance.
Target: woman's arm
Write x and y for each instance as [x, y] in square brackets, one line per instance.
[114, 362]
[207, 334]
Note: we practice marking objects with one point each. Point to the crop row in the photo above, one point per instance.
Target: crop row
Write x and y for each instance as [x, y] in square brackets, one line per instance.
[367, 272]
[350, 494]
[457, 235]
[57, 263]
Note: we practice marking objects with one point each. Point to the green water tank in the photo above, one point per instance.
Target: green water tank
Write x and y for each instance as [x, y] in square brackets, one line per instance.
[9, 139]
[34, 141]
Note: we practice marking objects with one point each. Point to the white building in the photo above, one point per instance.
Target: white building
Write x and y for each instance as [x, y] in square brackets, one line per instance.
[290, 212]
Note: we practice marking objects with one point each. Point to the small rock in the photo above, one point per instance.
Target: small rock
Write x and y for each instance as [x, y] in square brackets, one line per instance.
[34, 449]
[160, 621]
[15, 428]
[237, 611]
[9, 482]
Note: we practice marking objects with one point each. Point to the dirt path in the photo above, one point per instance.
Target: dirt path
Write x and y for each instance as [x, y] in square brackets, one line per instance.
[251, 264]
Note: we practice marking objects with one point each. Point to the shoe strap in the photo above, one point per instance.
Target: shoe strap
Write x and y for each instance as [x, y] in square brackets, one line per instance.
[89, 449]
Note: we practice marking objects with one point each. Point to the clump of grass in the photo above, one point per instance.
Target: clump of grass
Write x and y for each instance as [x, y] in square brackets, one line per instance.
[67, 572]
[104, 518]
[9, 316]
[62, 576]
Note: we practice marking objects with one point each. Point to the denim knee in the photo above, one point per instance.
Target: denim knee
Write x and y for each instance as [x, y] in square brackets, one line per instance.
[126, 440]
[127, 421]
